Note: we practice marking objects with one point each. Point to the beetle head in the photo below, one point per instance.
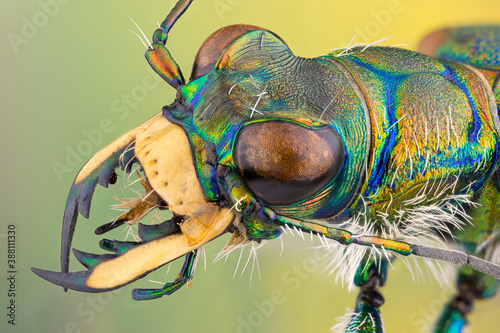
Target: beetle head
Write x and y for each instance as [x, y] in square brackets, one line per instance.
[294, 129]
[291, 133]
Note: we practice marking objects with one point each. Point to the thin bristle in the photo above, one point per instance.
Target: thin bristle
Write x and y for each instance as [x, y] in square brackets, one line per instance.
[428, 219]
[143, 34]
[344, 320]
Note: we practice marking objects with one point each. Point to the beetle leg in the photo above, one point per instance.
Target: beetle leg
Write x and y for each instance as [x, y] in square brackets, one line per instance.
[133, 260]
[366, 317]
[180, 7]
[184, 276]
[471, 285]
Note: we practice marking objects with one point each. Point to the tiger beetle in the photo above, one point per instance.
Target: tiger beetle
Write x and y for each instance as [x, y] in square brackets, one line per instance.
[382, 151]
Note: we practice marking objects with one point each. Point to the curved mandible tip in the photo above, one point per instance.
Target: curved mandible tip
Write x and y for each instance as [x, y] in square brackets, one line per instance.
[98, 170]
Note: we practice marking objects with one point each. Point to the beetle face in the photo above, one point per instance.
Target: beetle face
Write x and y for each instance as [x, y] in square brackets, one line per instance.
[260, 139]
[263, 131]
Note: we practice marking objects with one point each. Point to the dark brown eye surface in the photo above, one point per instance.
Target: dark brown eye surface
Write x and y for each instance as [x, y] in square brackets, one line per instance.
[283, 162]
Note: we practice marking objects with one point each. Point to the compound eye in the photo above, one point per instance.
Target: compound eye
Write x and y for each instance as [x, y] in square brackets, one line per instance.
[283, 162]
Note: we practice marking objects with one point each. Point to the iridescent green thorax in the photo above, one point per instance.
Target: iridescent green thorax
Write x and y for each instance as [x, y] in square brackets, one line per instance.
[477, 46]
[431, 121]
[370, 275]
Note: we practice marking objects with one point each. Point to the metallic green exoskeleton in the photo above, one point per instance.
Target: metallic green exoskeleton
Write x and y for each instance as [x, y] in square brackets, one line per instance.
[386, 151]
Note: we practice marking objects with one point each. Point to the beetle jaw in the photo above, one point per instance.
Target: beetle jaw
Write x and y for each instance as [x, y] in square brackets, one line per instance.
[164, 153]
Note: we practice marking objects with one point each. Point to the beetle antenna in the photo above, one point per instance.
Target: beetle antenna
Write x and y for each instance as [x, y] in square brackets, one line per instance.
[175, 13]
[457, 258]
[142, 32]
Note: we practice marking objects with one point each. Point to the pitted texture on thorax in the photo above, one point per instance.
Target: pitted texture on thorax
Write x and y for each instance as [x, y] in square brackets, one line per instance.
[431, 121]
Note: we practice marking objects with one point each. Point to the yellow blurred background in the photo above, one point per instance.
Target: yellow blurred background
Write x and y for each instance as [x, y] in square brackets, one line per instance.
[70, 66]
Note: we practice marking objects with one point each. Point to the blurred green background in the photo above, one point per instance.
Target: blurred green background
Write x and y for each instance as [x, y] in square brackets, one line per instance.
[69, 65]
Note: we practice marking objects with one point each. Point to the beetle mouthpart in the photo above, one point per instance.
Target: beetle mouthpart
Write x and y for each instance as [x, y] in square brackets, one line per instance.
[164, 153]
[138, 208]
[109, 226]
[133, 260]
[66, 280]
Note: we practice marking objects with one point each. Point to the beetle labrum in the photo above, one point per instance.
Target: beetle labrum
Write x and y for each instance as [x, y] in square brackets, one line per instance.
[385, 151]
